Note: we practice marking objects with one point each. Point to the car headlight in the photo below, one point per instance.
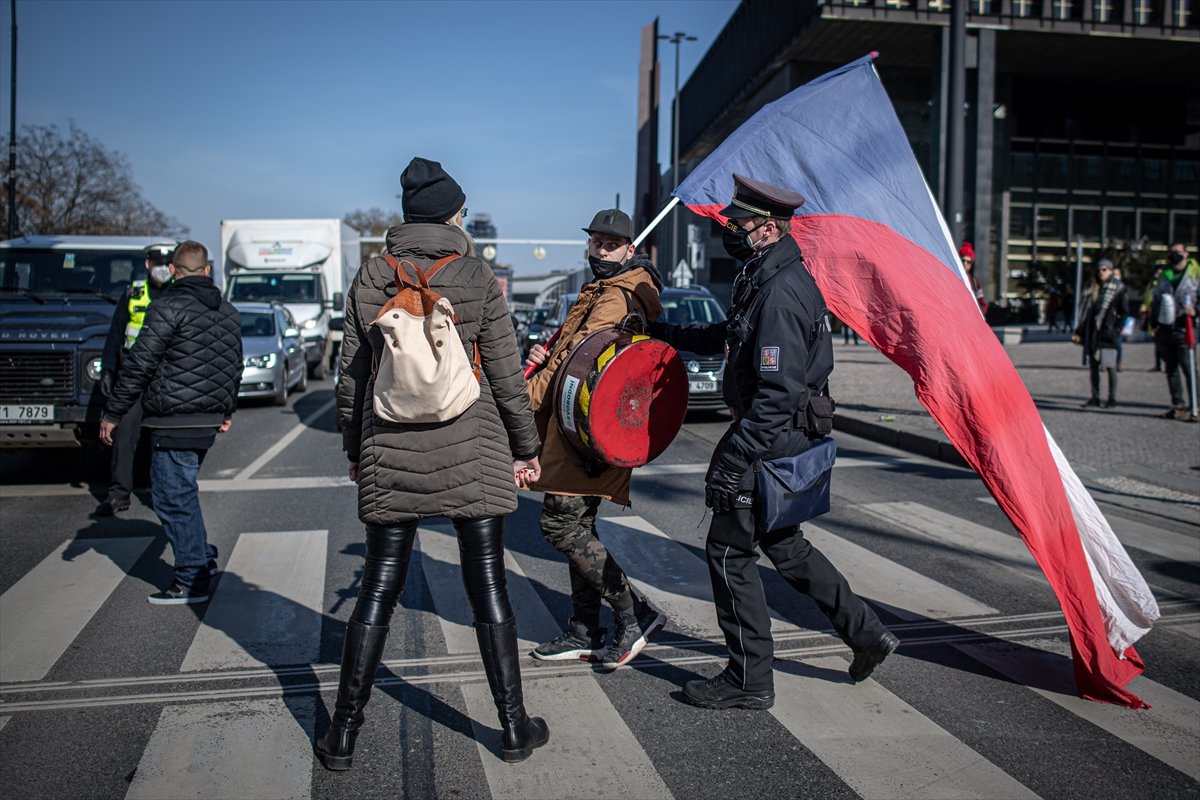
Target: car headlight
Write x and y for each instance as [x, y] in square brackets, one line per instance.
[309, 324]
[94, 368]
[262, 362]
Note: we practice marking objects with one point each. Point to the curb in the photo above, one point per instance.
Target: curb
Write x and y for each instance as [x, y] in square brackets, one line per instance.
[927, 446]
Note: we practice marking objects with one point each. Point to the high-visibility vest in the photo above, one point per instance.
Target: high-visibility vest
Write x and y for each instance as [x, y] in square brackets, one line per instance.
[139, 301]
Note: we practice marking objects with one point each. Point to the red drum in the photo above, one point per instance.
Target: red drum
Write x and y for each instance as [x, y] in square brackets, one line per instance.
[621, 397]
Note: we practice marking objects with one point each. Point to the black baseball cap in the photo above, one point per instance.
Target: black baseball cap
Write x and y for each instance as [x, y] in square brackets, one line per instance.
[612, 221]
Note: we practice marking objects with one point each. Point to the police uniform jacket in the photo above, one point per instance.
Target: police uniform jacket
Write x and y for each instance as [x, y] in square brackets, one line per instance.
[780, 351]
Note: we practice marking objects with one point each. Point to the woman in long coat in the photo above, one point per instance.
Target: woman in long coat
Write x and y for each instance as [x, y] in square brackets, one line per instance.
[466, 469]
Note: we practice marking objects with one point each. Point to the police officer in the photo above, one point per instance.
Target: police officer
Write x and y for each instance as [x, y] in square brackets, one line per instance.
[780, 356]
[127, 322]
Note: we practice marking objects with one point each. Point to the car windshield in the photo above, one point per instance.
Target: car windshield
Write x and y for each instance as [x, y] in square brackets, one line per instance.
[691, 308]
[286, 288]
[258, 323]
[51, 272]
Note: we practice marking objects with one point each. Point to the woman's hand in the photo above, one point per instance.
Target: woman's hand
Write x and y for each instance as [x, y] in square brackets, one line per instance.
[353, 471]
[526, 472]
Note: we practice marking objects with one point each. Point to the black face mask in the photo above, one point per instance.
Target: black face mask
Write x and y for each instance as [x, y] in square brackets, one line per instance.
[1175, 258]
[738, 244]
[605, 269]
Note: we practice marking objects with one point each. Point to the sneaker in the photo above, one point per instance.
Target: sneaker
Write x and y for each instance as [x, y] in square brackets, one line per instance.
[213, 569]
[631, 638]
[865, 661]
[1093, 403]
[1175, 413]
[112, 506]
[1110, 403]
[718, 692]
[576, 642]
[177, 594]
[649, 618]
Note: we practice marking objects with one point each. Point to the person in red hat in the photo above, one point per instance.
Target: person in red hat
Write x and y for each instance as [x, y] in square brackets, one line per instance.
[967, 254]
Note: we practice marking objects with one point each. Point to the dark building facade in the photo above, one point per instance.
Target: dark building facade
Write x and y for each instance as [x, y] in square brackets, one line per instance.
[1082, 116]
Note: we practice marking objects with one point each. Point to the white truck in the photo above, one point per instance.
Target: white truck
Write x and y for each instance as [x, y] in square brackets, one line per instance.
[306, 264]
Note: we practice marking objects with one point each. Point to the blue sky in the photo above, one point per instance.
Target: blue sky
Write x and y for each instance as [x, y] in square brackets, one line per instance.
[232, 109]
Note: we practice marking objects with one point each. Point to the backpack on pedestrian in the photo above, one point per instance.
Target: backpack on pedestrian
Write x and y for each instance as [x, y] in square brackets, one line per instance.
[424, 376]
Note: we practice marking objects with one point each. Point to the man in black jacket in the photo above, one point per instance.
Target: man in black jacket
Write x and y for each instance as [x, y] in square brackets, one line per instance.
[780, 356]
[127, 321]
[185, 368]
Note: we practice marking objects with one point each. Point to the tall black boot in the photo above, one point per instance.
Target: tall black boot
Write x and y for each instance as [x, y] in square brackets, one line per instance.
[360, 659]
[521, 732]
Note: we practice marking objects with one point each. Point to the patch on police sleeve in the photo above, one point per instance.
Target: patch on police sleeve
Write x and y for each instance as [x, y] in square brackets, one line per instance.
[768, 360]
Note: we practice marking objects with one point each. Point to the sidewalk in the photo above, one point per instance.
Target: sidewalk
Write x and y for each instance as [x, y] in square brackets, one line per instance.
[1127, 455]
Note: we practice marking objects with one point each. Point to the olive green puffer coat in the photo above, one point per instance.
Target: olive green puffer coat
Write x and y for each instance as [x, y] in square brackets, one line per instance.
[461, 469]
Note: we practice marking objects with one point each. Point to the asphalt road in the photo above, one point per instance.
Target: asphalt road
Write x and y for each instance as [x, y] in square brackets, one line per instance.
[103, 695]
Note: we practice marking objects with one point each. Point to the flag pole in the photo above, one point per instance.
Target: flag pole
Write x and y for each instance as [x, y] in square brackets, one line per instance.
[654, 223]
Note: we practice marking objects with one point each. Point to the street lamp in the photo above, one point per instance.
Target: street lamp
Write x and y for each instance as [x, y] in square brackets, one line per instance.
[675, 39]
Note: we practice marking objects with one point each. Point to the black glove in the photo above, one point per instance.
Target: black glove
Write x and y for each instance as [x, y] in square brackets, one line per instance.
[722, 488]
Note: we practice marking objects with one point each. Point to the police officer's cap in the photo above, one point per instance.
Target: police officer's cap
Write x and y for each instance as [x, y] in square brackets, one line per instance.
[753, 198]
[160, 252]
[611, 222]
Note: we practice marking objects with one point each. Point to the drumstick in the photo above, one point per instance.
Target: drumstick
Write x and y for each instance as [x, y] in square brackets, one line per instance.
[532, 368]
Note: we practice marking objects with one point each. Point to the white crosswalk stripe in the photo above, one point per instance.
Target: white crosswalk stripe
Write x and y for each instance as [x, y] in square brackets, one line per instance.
[41, 614]
[267, 608]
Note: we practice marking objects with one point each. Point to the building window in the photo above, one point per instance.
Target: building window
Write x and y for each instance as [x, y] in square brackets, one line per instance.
[1023, 8]
[940, 6]
[1062, 9]
[1143, 12]
[981, 6]
[1181, 13]
[1102, 11]
[898, 3]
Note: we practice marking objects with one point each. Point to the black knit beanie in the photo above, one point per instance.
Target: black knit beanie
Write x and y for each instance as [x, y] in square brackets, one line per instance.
[430, 195]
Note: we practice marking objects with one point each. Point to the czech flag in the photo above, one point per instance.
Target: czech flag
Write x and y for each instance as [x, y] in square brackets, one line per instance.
[876, 243]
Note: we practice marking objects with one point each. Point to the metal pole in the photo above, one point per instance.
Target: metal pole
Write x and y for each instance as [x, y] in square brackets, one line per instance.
[654, 222]
[1078, 281]
[12, 134]
[956, 117]
[674, 167]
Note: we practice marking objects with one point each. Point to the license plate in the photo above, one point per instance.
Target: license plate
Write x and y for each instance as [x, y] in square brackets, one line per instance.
[702, 386]
[26, 414]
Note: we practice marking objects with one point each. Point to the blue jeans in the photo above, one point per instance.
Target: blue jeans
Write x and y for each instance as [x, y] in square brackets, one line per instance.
[177, 504]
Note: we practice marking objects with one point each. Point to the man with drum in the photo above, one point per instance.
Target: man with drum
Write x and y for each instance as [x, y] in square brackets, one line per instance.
[575, 483]
[780, 356]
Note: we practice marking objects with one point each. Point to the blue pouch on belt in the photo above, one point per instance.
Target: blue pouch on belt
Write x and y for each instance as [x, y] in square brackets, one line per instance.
[794, 489]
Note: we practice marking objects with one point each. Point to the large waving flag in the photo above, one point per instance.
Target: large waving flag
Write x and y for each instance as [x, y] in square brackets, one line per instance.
[876, 243]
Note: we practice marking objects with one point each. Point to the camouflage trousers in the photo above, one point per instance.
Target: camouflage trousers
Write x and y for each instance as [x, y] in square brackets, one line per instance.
[569, 523]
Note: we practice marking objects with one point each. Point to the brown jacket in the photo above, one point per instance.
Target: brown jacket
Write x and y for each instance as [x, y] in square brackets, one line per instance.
[601, 304]
[460, 469]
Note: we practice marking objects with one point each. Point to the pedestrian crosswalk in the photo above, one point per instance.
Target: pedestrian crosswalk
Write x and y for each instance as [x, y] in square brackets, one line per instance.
[238, 716]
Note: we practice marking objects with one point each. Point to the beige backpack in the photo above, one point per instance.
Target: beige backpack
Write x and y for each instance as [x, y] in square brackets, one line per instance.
[424, 374]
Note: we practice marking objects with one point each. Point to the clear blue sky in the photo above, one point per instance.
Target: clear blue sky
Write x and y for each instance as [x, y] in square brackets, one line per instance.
[312, 109]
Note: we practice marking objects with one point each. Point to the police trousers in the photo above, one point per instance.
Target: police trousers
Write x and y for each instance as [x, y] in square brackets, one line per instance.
[741, 604]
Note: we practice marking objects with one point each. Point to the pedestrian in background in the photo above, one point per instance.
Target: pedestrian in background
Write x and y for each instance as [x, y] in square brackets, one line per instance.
[1173, 309]
[1126, 320]
[127, 321]
[1102, 315]
[1147, 320]
[622, 283]
[466, 469]
[184, 368]
[780, 357]
[967, 254]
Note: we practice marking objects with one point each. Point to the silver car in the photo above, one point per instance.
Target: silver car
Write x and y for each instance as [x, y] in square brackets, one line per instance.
[272, 352]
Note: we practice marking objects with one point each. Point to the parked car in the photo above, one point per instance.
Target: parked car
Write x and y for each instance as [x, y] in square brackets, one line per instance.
[272, 352]
[531, 332]
[705, 373]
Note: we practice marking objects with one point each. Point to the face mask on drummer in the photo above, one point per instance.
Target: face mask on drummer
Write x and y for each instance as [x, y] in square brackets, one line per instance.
[608, 255]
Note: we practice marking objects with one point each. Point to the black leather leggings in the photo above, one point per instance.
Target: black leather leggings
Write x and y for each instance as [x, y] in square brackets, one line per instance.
[481, 555]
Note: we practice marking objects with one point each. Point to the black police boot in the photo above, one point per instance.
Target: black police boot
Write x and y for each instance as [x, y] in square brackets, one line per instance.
[498, 648]
[360, 658]
[865, 661]
[718, 692]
